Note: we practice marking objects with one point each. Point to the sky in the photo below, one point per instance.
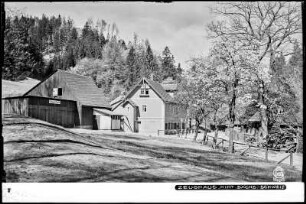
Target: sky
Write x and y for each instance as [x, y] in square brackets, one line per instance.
[178, 25]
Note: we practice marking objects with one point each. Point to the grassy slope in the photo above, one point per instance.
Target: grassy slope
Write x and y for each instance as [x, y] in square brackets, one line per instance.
[39, 153]
[17, 88]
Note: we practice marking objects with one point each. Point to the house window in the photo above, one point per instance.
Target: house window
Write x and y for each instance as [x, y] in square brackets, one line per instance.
[144, 92]
[57, 91]
[168, 126]
[144, 108]
[115, 117]
[60, 91]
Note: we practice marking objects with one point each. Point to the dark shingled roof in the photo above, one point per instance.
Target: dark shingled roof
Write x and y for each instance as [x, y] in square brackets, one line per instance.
[169, 84]
[160, 91]
[17, 88]
[105, 111]
[116, 100]
[157, 87]
[130, 101]
[169, 87]
[85, 90]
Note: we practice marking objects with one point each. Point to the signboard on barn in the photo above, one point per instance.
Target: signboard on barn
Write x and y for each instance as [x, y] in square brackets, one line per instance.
[55, 102]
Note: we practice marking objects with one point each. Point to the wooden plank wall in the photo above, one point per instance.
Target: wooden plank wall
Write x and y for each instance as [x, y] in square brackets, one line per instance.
[60, 114]
[15, 106]
[87, 117]
[64, 114]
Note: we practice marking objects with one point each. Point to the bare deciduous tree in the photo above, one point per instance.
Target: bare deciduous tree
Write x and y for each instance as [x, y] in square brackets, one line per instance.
[267, 26]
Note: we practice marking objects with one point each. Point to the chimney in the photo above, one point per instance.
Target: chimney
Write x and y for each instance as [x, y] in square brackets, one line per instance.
[152, 76]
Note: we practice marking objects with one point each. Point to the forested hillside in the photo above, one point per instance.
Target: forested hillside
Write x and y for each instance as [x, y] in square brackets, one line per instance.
[37, 46]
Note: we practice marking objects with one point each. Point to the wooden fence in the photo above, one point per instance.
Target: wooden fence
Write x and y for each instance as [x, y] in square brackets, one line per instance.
[249, 146]
[178, 132]
[222, 141]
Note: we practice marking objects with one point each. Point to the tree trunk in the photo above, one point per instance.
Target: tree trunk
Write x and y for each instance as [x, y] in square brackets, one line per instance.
[196, 131]
[263, 107]
[216, 137]
[216, 130]
[232, 118]
[205, 134]
[231, 139]
[263, 112]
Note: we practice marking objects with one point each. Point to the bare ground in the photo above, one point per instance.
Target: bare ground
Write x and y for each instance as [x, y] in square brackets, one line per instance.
[35, 151]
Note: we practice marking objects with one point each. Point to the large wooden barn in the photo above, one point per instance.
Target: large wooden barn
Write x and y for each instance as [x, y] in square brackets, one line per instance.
[63, 98]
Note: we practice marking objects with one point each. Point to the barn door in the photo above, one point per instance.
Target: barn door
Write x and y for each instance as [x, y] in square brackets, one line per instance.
[95, 122]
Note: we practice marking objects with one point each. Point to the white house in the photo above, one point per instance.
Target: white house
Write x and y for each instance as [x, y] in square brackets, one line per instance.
[148, 108]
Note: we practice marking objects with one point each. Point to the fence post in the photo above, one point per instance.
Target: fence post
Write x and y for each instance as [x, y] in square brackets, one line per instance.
[291, 159]
[266, 155]
[222, 144]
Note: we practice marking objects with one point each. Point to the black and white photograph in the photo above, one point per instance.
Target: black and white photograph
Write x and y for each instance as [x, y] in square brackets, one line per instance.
[109, 98]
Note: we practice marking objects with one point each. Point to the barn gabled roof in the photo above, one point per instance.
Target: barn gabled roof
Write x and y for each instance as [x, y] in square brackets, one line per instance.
[83, 89]
[157, 87]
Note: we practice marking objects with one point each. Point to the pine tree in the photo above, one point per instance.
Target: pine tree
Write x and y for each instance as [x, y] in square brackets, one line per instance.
[21, 58]
[294, 76]
[132, 70]
[150, 63]
[168, 67]
[102, 40]
[295, 63]
[278, 67]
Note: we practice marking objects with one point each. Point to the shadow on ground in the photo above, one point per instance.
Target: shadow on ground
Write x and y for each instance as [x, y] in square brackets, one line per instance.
[37, 153]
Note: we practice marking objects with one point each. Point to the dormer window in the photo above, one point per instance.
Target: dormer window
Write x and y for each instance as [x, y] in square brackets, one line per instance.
[144, 92]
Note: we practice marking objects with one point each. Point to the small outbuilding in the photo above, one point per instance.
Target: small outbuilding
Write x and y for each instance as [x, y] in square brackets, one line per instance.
[107, 120]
